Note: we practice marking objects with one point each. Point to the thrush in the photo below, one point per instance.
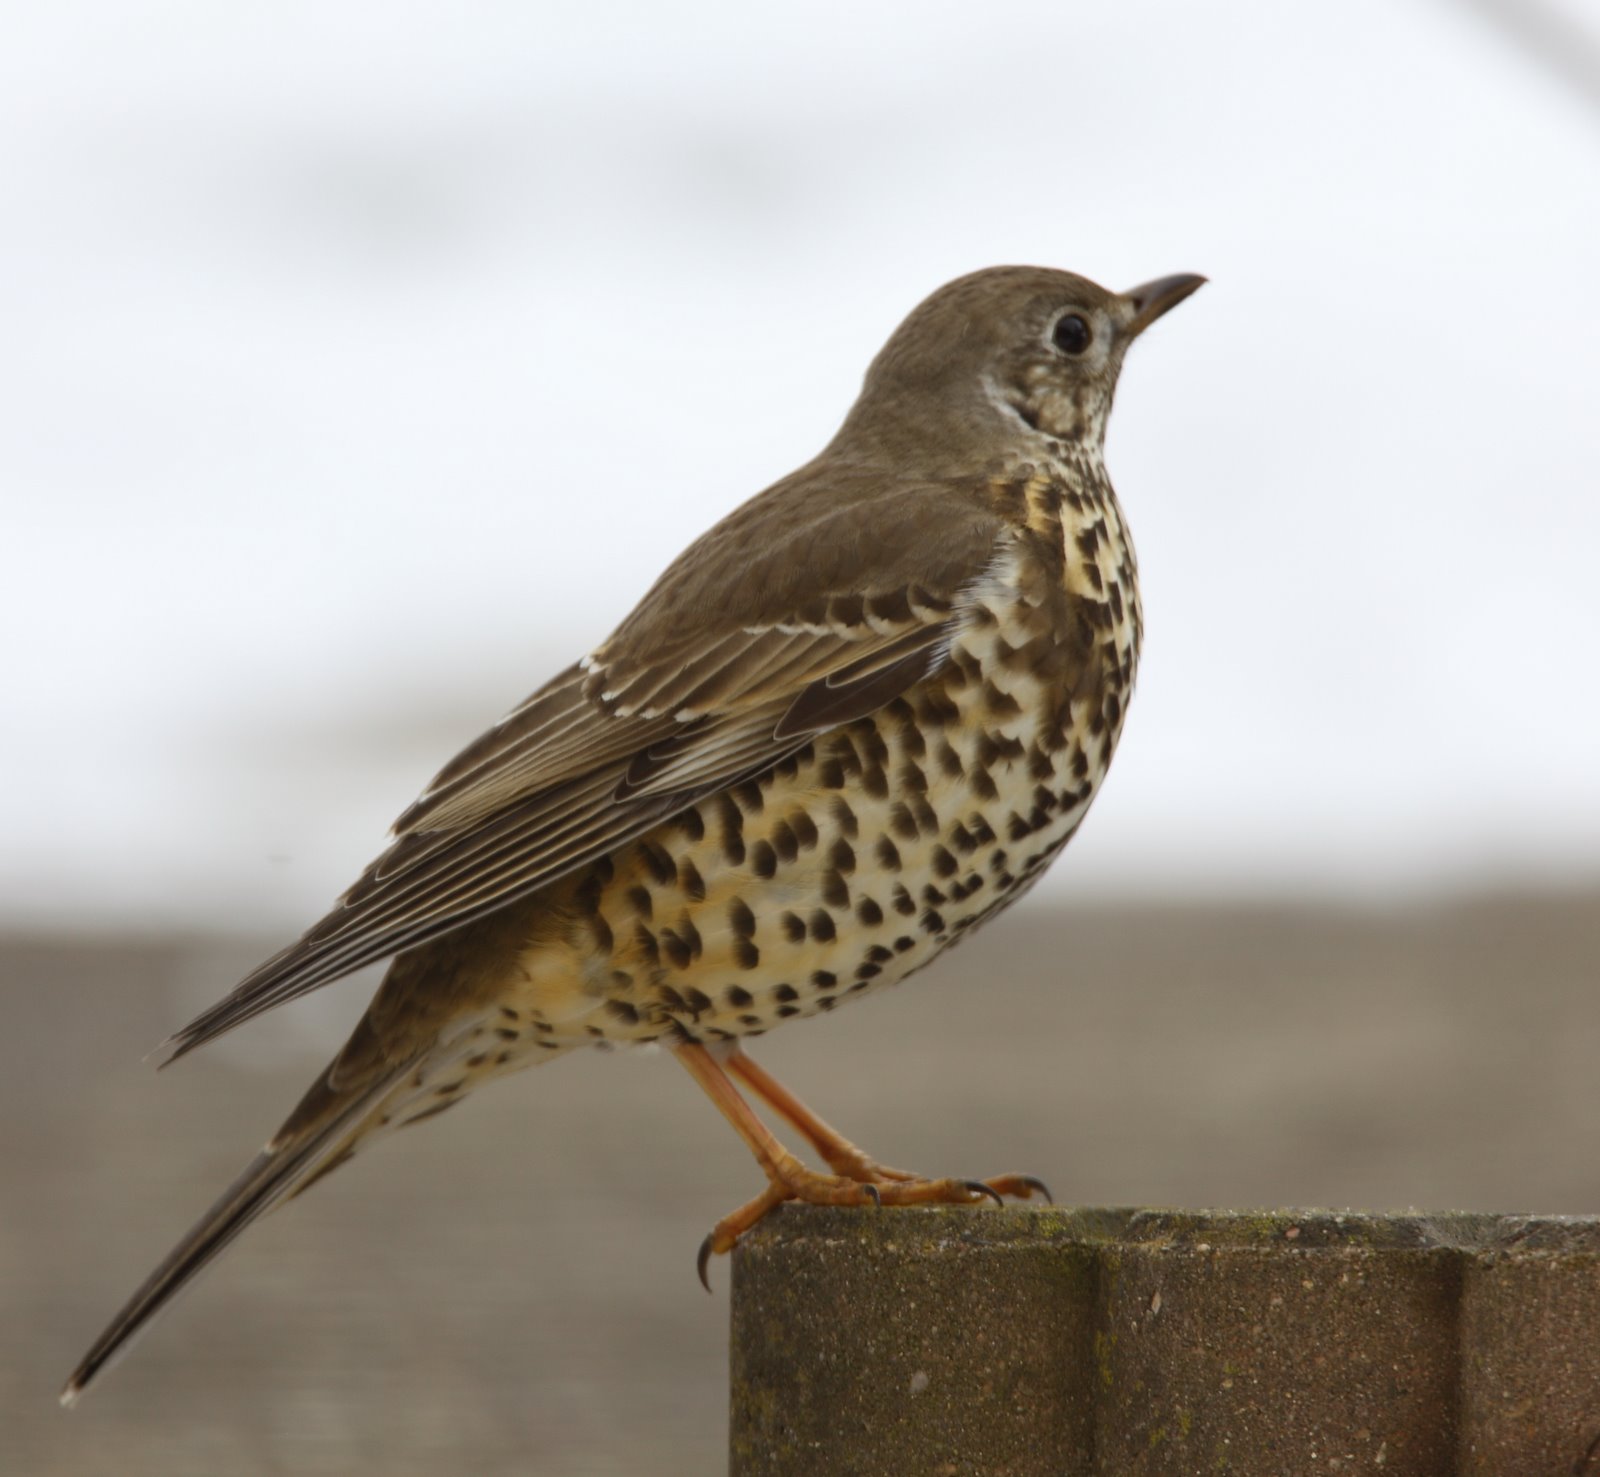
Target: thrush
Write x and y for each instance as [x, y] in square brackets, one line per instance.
[846, 727]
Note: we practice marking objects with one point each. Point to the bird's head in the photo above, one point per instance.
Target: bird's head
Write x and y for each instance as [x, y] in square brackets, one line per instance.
[1005, 355]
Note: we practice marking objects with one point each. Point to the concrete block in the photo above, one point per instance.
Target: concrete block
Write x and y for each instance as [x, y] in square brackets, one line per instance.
[1117, 1343]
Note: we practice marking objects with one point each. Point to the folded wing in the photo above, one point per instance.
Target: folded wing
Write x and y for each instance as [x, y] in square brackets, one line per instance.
[717, 676]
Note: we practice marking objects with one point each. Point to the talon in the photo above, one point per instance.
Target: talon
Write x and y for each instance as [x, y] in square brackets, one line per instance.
[1037, 1184]
[977, 1187]
[872, 1190]
[703, 1261]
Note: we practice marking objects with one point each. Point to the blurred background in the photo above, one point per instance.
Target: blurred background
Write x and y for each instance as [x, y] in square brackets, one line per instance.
[362, 365]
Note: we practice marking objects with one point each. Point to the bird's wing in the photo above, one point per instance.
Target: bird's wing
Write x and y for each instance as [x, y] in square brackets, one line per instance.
[733, 661]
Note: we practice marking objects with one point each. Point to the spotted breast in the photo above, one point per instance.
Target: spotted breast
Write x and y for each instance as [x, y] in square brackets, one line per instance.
[867, 852]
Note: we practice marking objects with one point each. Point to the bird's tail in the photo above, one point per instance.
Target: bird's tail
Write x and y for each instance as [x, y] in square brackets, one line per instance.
[318, 1136]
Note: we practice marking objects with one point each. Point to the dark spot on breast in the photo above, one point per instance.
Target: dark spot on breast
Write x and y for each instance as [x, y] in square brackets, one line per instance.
[784, 841]
[750, 797]
[586, 895]
[732, 824]
[505, 1033]
[822, 927]
[843, 856]
[600, 930]
[983, 785]
[676, 950]
[740, 918]
[639, 901]
[944, 865]
[787, 1011]
[962, 839]
[937, 710]
[645, 941]
[1001, 704]
[888, 854]
[785, 992]
[904, 943]
[824, 979]
[902, 902]
[697, 1000]
[509, 1013]
[763, 859]
[737, 996]
[804, 828]
[933, 896]
[981, 830]
[843, 817]
[690, 880]
[870, 914]
[831, 775]
[902, 822]
[793, 926]
[873, 748]
[877, 954]
[875, 782]
[623, 1011]
[949, 761]
[933, 921]
[691, 823]
[835, 890]
[660, 865]
[868, 971]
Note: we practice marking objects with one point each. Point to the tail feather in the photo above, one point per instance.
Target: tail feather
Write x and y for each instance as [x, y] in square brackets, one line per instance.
[300, 1153]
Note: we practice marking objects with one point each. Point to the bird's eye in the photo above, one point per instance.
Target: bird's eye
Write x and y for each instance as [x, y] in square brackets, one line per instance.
[1071, 334]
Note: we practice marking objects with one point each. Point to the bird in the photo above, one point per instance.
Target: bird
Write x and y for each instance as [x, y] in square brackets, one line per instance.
[846, 727]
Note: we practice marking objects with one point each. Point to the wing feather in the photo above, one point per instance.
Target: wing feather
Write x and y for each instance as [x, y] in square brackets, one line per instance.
[661, 715]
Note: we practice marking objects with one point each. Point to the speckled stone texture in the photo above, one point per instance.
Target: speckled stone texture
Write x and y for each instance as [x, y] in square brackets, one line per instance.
[1118, 1343]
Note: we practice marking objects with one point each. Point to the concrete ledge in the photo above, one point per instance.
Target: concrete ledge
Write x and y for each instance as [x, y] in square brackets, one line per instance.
[1015, 1342]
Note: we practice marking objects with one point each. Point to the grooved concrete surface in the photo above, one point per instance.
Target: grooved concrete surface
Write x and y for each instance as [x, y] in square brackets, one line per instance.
[510, 1288]
[1123, 1343]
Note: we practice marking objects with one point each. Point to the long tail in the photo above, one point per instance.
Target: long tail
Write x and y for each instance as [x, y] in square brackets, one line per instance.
[318, 1136]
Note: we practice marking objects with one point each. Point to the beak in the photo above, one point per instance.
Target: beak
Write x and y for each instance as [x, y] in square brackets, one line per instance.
[1152, 299]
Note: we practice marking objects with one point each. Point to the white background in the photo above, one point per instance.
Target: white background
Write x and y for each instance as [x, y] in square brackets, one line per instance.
[361, 363]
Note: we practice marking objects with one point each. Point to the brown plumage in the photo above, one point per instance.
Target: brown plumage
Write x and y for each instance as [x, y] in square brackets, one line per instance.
[849, 724]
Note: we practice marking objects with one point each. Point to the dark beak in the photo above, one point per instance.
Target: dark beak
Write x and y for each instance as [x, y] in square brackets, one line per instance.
[1153, 299]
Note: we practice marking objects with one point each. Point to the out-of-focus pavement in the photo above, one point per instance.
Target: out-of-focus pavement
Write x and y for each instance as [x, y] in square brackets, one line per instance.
[511, 1288]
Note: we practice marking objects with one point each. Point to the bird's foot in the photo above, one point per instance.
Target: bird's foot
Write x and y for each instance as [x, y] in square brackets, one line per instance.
[860, 1181]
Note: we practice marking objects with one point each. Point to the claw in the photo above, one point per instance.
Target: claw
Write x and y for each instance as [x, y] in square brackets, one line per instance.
[872, 1191]
[703, 1261]
[977, 1187]
[1037, 1184]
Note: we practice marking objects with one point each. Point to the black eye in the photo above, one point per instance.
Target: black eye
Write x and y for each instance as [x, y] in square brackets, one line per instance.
[1072, 334]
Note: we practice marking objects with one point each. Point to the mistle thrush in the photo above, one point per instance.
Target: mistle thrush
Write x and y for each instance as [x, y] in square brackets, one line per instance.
[847, 726]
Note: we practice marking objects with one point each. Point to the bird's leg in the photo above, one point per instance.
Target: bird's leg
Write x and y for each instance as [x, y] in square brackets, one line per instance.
[837, 1151]
[845, 1158]
[789, 1179]
[782, 1168]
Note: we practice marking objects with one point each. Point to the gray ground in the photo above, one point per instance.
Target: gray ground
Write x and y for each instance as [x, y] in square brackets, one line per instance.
[511, 1288]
